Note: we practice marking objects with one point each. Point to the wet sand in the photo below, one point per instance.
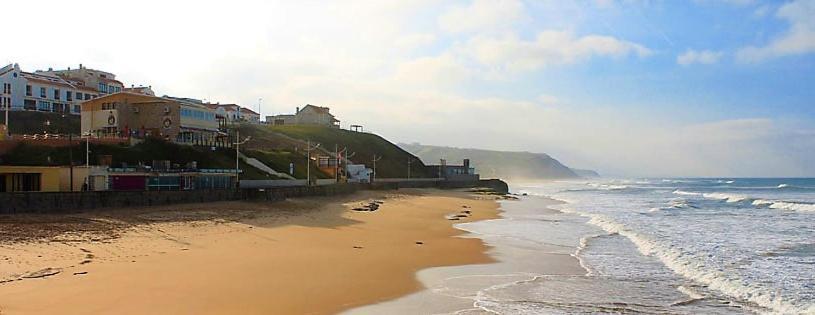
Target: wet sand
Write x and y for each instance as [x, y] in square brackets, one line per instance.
[301, 256]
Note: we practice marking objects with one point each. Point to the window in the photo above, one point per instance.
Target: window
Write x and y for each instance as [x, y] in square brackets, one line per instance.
[87, 96]
[42, 92]
[103, 88]
[27, 90]
[6, 88]
[56, 94]
[68, 96]
[78, 96]
[77, 109]
[108, 106]
[44, 106]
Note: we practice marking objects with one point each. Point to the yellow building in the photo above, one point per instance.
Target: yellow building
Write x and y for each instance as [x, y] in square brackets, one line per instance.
[41, 178]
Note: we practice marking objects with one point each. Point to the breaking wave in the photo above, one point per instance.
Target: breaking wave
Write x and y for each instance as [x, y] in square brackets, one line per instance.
[785, 205]
[686, 193]
[691, 267]
[726, 197]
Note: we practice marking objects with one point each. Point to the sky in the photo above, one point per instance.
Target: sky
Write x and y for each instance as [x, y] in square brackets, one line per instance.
[627, 88]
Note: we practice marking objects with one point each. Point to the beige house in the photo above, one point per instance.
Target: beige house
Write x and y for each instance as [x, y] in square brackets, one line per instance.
[128, 114]
[308, 115]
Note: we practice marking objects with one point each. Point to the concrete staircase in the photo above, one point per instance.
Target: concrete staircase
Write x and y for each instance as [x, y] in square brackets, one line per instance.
[263, 167]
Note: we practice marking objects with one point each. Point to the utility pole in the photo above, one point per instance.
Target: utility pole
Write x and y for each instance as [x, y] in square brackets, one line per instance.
[375, 159]
[409, 161]
[308, 161]
[237, 157]
[71, 158]
[88, 160]
[340, 153]
[336, 164]
[260, 100]
[8, 130]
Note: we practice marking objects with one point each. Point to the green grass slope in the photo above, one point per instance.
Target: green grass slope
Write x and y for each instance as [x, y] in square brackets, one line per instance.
[364, 146]
[145, 152]
[28, 122]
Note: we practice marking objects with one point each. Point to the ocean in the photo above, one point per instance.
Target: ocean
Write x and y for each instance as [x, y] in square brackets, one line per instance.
[652, 246]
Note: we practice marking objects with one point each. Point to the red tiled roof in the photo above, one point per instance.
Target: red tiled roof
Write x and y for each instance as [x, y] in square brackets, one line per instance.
[246, 110]
[319, 109]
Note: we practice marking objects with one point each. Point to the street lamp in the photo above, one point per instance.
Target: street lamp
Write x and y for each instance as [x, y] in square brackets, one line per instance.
[87, 159]
[375, 159]
[308, 161]
[260, 100]
[237, 156]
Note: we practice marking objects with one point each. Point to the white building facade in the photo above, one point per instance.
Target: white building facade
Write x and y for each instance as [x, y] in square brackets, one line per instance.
[41, 91]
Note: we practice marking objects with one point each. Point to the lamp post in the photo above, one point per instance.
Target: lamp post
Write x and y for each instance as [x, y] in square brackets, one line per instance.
[237, 144]
[8, 130]
[337, 156]
[260, 100]
[88, 160]
[375, 159]
[308, 161]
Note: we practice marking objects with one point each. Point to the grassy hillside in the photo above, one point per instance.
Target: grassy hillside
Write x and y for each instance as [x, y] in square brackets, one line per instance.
[497, 164]
[363, 145]
[275, 146]
[144, 152]
[25, 122]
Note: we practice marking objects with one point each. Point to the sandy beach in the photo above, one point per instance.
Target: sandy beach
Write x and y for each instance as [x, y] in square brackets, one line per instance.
[301, 256]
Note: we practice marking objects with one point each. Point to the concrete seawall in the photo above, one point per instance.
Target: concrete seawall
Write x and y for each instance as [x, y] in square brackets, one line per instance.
[66, 202]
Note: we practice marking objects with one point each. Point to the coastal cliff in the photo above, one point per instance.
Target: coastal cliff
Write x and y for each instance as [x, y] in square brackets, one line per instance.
[500, 164]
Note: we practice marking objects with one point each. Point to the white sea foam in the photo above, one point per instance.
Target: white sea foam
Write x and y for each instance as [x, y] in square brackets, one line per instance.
[694, 268]
[686, 193]
[783, 186]
[785, 205]
[608, 186]
[726, 197]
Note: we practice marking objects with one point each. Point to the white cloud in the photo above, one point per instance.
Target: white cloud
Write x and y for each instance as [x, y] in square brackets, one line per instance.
[432, 72]
[548, 48]
[413, 41]
[703, 57]
[549, 100]
[481, 16]
[798, 39]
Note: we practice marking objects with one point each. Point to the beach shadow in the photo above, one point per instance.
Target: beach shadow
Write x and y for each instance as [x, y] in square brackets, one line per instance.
[108, 224]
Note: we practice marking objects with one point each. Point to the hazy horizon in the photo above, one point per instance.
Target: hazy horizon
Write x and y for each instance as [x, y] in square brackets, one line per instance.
[712, 88]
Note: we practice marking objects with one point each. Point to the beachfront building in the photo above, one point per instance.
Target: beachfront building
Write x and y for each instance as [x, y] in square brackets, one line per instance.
[230, 113]
[128, 114]
[41, 91]
[101, 81]
[358, 173]
[308, 115]
[146, 90]
[41, 178]
[141, 178]
[233, 113]
[452, 172]
[249, 115]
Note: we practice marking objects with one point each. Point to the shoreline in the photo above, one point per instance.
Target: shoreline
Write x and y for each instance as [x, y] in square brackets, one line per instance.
[457, 289]
[241, 257]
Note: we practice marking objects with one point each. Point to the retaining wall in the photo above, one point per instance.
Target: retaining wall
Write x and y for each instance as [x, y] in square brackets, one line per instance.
[64, 202]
